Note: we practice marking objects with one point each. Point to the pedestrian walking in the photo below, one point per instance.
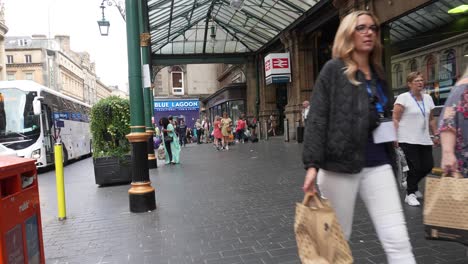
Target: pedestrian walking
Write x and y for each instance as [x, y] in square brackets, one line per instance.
[206, 129]
[240, 129]
[454, 129]
[198, 127]
[217, 134]
[346, 106]
[413, 115]
[182, 132]
[226, 130]
[272, 121]
[305, 112]
[189, 135]
[171, 142]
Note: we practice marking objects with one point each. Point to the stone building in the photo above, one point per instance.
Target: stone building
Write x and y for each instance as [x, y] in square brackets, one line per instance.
[192, 80]
[3, 31]
[115, 90]
[52, 63]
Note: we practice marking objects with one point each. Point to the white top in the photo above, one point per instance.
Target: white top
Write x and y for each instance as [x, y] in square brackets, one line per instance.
[305, 112]
[413, 128]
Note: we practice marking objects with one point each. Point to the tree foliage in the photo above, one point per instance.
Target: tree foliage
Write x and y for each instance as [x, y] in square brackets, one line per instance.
[110, 123]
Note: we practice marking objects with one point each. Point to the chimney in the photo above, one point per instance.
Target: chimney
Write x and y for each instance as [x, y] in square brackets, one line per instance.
[64, 42]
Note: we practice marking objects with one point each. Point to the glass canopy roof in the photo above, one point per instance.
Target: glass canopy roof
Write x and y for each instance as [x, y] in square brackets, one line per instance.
[219, 26]
[423, 20]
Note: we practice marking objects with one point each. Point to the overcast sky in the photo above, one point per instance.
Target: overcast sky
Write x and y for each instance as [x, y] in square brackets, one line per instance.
[78, 19]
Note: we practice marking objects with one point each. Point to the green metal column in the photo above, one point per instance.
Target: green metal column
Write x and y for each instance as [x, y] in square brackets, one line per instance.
[145, 43]
[141, 194]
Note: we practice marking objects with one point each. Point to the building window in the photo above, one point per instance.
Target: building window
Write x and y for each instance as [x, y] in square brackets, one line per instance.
[11, 76]
[22, 42]
[177, 81]
[10, 59]
[430, 69]
[398, 75]
[448, 66]
[28, 76]
[413, 65]
[28, 58]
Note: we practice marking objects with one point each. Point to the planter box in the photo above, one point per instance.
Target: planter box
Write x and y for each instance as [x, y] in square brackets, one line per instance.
[111, 170]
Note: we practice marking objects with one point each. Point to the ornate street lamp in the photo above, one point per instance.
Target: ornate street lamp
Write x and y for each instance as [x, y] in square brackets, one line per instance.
[103, 23]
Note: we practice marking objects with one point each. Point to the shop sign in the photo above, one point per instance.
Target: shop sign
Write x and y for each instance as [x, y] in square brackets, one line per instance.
[176, 105]
[277, 68]
[278, 79]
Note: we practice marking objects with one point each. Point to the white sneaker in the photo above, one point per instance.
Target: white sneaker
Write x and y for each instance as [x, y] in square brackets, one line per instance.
[412, 200]
[418, 194]
[227, 147]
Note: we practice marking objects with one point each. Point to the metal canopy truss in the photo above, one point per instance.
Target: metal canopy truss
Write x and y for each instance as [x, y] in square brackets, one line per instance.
[214, 27]
[430, 17]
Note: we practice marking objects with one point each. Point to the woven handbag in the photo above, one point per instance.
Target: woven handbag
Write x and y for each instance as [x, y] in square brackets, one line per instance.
[319, 237]
[446, 208]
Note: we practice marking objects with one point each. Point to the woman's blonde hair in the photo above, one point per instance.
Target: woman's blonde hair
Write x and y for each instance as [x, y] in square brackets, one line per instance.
[343, 46]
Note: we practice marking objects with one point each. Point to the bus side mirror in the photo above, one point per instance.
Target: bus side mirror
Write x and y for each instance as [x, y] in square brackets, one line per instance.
[36, 107]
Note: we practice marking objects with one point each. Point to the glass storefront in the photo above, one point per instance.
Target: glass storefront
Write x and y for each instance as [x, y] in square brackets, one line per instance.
[234, 109]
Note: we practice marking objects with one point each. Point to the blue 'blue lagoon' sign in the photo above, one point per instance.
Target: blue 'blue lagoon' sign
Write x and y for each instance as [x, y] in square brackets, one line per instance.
[174, 105]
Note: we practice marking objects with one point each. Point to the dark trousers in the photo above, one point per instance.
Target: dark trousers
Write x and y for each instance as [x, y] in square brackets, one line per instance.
[182, 140]
[420, 163]
[167, 144]
[199, 135]
[240, 135]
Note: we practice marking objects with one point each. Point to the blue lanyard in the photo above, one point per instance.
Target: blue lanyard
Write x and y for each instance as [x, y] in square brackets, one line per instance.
[378, 105]
[423, 108]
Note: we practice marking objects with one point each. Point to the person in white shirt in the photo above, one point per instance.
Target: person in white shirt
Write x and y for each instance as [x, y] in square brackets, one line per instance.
[305, 112]
[413, 118]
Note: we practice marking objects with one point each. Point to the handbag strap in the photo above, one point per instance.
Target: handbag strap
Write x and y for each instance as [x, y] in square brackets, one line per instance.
[309, 196]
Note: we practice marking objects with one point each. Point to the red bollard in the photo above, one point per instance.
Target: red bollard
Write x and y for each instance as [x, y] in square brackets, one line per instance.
[20, 213]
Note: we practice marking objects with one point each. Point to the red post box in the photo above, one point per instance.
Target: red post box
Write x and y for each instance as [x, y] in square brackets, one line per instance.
[20, 213]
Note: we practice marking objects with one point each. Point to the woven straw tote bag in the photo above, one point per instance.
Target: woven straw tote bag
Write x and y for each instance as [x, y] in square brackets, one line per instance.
[319, 237]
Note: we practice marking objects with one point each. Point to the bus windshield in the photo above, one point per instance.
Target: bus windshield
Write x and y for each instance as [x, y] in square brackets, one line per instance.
[17, 119]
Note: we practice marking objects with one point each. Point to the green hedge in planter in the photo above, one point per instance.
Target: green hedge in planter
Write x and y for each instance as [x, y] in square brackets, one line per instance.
[110, 123]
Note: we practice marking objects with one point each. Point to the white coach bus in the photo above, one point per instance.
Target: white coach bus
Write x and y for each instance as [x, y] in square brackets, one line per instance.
[33, 118]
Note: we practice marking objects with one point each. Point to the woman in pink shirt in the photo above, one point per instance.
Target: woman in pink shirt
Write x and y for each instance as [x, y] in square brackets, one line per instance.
[217, 131]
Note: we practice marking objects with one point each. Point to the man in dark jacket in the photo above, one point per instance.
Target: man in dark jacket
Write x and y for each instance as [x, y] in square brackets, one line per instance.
[182, 131]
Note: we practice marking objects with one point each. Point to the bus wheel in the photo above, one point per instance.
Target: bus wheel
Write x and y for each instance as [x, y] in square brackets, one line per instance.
[64, 155]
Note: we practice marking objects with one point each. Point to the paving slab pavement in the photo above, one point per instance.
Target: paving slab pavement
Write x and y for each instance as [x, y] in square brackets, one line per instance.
[217, 207]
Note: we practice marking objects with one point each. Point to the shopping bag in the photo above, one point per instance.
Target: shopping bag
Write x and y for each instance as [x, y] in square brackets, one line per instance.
[446, 208]
[161, 153]
[319, 237]
[402, 168]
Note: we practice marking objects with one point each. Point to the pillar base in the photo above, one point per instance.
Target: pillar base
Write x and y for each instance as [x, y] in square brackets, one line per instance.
[142, 197]
[152, 164]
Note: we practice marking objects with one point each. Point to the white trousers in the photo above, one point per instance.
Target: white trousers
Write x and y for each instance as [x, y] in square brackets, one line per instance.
[377, 188]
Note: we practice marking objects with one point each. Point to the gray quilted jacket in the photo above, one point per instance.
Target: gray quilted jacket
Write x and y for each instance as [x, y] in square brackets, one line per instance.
[337, 124]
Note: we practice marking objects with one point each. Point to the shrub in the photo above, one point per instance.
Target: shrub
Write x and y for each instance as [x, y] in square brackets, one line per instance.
[110, 123]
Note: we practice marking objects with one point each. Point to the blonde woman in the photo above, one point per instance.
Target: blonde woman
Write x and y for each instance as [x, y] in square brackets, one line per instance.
[350, 100]
[226, 128]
